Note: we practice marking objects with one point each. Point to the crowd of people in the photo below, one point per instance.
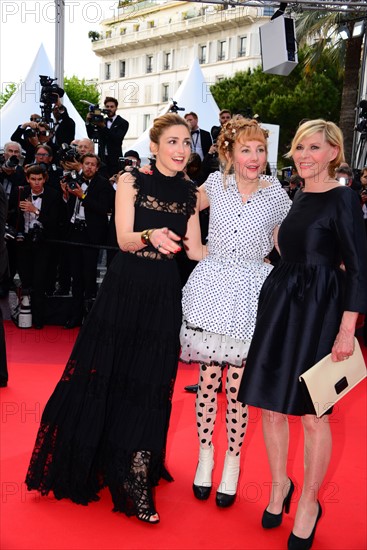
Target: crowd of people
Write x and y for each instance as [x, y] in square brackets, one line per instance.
[215, 262]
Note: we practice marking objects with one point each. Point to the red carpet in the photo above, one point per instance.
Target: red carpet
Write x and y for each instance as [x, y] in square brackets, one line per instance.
[30, 522]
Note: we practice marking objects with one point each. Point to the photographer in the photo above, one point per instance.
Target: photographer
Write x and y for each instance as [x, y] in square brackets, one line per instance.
[64, 125]
[40, 213]
[44, 157]
[29, 135]
[89, 198]
[11, 178]
[3, 277]
[109, 132]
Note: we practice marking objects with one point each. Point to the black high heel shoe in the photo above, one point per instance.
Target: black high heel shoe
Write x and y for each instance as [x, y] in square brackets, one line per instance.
[296, 543]
[269, 521]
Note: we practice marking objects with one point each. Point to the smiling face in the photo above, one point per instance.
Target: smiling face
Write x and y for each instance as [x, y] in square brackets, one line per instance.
[312, 157]
[173, 150]
[249, 159]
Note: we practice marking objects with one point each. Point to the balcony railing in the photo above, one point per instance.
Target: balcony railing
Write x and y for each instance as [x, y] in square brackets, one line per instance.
[226, 17]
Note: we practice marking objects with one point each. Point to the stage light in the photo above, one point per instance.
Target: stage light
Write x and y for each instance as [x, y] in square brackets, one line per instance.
[358, 28]
[344, 32]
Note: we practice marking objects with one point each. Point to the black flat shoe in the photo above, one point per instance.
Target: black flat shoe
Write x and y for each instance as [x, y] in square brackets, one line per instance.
[296, 543]
[200, 492]
[269, 521]
[72, 323]
[223, 500]
[192, 389]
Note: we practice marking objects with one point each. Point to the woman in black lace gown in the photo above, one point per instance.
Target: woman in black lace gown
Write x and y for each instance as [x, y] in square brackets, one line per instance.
[308, 308]
[106, 422]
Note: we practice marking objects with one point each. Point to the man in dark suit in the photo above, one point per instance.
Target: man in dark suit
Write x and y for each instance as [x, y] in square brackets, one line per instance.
[11, 178]
[64, 126]
[88, 202]
[224, 117]
[40, 213]
[201, 139]
[3, 276]
[110, 133]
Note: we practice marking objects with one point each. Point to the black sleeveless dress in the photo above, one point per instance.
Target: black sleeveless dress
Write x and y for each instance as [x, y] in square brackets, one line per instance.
[114, 397]
[302, 300]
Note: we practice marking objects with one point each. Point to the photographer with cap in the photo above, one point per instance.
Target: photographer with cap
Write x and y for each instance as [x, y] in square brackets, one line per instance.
[40, 213]
[110, 132]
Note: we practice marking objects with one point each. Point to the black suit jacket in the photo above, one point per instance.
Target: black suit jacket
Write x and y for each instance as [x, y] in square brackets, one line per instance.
[97, 204]
[65, 130]
[111, 139]
[206, 141]
[52, 211]
[3, 250]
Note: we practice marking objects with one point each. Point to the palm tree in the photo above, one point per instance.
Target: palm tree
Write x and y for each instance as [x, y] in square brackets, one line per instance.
[321, 28]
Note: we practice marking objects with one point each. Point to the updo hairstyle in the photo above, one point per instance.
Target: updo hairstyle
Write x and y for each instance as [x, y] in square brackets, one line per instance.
[163, 122]
[238, 129]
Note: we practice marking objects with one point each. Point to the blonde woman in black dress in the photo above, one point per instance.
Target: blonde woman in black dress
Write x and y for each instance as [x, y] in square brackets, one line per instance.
[308, 307]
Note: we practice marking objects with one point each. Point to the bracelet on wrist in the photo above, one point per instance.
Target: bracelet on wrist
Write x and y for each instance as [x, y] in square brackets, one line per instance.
[145, 236]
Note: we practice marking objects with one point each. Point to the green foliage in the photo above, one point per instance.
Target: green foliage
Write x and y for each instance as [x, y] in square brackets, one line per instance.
[283, 100]
[10, 89]
[78, 89]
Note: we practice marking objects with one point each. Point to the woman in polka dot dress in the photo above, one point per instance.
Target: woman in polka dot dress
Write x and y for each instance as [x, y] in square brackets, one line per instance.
[220, 297]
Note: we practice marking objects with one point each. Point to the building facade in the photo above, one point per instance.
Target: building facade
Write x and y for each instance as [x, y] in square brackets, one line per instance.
[148, 47]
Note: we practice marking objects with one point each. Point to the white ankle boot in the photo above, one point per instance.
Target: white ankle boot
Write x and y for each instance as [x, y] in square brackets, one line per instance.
[227, 489]
[203, 478]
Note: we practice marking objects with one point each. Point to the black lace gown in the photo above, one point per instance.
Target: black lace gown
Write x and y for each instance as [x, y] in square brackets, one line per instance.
[302, 300]
[114, 397]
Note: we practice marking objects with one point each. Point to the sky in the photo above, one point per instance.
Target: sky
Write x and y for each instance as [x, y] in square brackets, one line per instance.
[24, 25]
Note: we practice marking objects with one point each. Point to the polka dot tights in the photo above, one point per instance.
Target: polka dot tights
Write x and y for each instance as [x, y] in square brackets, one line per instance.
[206, 407]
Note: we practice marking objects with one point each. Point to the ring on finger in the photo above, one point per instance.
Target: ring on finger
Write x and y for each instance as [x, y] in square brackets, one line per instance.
[159, 246]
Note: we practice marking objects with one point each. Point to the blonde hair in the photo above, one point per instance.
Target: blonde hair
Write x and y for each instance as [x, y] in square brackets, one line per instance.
[238, 129]
[333, 135]
[163, 122]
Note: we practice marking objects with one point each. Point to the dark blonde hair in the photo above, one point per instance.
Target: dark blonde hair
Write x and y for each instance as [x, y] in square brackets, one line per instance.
[333, 135]
[163, 122]
[238, 129]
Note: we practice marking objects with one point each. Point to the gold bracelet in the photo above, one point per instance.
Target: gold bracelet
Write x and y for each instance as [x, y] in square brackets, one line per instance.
[145, 236]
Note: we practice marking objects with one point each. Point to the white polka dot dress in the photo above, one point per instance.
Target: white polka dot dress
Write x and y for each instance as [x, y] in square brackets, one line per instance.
[220, 297]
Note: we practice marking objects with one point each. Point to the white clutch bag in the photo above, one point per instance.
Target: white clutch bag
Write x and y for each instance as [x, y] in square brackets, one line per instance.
[328, 381]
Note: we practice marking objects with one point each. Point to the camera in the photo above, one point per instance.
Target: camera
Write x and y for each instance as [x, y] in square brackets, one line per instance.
[97, 113]
[11, 162]
[174, 107]
[50, 92]
[36, 233]
[362, 125]
[72, 179]
[29, 132]
[123, 162]
[68, 153]
[10, 233]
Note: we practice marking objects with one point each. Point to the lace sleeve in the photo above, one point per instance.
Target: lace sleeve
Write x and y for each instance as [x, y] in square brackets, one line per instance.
[138, 178]
[191, 197]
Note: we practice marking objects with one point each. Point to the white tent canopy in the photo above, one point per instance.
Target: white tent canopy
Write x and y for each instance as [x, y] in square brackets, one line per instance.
[25, 101]
[194, 95]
